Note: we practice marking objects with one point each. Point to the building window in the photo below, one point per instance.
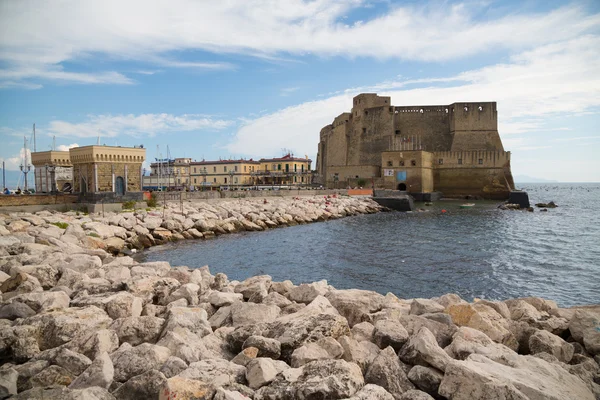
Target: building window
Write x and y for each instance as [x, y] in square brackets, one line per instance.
[244, 168]
[215, 170]
[364, 131]
[402, 163]
[195, 180]
[460, 161]
[225, 169]
[236, 168]
[278, 167]
[302, 167]
[274, 167]
[480, 161]
[225, 180]
[215, 180]
[397, 131]
[295, 167]
[390, 164]
[413, 163]
[441, 161]
[194, 169]
[302, 179]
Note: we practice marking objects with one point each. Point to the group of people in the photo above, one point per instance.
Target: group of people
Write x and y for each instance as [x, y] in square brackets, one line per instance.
[18, 191]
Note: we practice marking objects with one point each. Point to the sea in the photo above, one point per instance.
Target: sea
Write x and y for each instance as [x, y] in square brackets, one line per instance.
[483, 252]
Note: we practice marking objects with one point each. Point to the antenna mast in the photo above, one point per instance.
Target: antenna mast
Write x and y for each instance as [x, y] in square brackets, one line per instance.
[34, 146]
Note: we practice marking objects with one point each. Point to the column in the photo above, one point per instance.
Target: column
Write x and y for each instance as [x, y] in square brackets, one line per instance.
[112, 173]
[125, 177]
[95, 177]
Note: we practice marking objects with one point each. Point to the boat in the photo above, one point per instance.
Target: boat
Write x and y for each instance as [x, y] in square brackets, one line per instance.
[467, 205]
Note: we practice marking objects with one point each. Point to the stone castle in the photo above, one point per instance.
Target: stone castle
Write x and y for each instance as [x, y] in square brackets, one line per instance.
[454, 149]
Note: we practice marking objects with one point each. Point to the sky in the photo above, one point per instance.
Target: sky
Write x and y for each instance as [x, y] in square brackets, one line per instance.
[258, 78]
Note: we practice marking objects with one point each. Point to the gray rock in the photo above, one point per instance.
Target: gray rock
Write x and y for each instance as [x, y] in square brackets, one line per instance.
[276, 299]
[355, 304]
[260, 372]
[193, 319]
[131, 361]
[15, 310]
[307, 292]
[137, 330]
[74, 362]
[415, 395]
[215, 372]
[389, 333]
[8, 382]
[363, 331]
[423, 306]
[92, 344]
[63, 393]
[252, 313]
[325, 379]
[270, 348]
[584, 328]
[224, 394]
[143, 386]
[173, 366]
[220, 299]
[426, 379]
[422, 349]
[245, 356]
[99, 373]
[478, 377]
[189, 291]
[362, 353]
[467, 341]
[543, 341]
[222, 317]
[27, 370]
[256, 285]
[53, 375]
[372, 392]
[386, 371]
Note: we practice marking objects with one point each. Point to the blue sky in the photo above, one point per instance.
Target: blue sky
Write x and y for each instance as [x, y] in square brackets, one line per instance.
[246, 78]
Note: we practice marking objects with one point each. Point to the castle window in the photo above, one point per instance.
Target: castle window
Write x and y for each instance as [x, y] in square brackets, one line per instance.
[413, 163]
[441, 161]
[236, 168]
[366, 112]
[390, 164]
[421, 111]
[460, 161]
[397, 131]
[402, 163]
[480, 108]
[225, 168]
[466, 108]
[364, 131]
[225, 180]
[480, 161]
[215, 180]
[215, 170]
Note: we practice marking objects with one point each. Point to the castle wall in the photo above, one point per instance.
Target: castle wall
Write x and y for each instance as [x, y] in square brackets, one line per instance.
[418, 166]
[475, 127]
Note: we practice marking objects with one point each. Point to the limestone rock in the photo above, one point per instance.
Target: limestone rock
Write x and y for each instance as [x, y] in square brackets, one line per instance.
[74, 362]
[245, 356]
[307, 292]
[467, 341]
[423, 348]
[181, 388]
[8, 382]
[481, 378]
[442, 331]
[266, 347]
[14, 310]
[131, 361]
[143, 386]
[276, 299]
[387, 372]
[372, 392]
[423, 306]
[223, 394]
[188, 291]
[255, 285]
[585, 328]
[324, 379]
[362, 353]
[355, 304]
[215, 372]
[260, 372]
[53, 375]
[252, 313]
[220, 299]
[363, 331]
[94, 343]
[426, 379]
[415, 395]
[193, 319]
[389, 333]
[99, 373]
[173, 366]
[137, 330]
[543, 341]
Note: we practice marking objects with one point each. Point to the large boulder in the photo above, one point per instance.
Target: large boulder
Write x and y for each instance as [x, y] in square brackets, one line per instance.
[585, 328]
[130, 361]
[307, 292]
[422, 349]
[215, 372]
[93, 343]
[324, 379]
[387, 372]
[355, 304]
[426, 379]
[137, 330]
[143, 386]
[99, 373]
[467, 341]
[194, 319]
[178, 387]
[529, 377]
[252, 313]
[389, 333]
[544, 341]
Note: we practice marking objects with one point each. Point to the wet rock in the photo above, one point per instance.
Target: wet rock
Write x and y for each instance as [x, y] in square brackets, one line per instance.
[100, 373]
[143, 386]
[387, 372]
[481, 378]
[543, 341]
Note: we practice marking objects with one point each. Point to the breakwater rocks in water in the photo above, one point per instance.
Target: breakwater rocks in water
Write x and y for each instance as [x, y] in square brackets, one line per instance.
[118, 232]
[81, 323]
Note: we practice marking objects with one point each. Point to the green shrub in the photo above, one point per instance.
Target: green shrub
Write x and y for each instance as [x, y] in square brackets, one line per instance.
[93, 234]
[128, 204]
[153, 201]
[361, 182]
[61, 225]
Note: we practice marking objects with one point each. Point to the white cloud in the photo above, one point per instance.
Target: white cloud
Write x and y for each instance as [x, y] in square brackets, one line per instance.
[66, 147]
[289, 90]
[561, 78]
[38, 37]
[13, 163]
[134, 125]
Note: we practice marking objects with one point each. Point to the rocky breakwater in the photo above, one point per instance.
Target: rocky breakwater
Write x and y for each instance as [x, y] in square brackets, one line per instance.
[119, 232]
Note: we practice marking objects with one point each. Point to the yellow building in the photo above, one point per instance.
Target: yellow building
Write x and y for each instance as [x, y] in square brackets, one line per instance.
[222, 173]
[107, 169]
[169, 174]
[286, 170]
[53, 171]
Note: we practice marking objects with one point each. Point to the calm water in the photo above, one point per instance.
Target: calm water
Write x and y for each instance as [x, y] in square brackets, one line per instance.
[483, 252]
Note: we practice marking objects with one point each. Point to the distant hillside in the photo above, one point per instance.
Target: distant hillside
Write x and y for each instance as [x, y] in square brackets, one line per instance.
[530, 179]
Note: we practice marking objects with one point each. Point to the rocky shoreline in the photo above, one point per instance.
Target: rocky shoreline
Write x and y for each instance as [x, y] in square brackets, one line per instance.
[78, 320]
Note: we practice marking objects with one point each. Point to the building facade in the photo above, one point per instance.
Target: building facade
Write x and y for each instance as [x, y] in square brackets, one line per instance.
[454, 149]
[169, 174]
[287, 170]
[53, 171]
[208, 174]
[107, 169]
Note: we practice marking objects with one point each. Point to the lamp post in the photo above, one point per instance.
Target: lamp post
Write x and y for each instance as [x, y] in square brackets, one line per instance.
[52, 170]
[231, 179]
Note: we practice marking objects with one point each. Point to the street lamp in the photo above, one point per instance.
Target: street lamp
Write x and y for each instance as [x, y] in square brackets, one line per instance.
[52, 169]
